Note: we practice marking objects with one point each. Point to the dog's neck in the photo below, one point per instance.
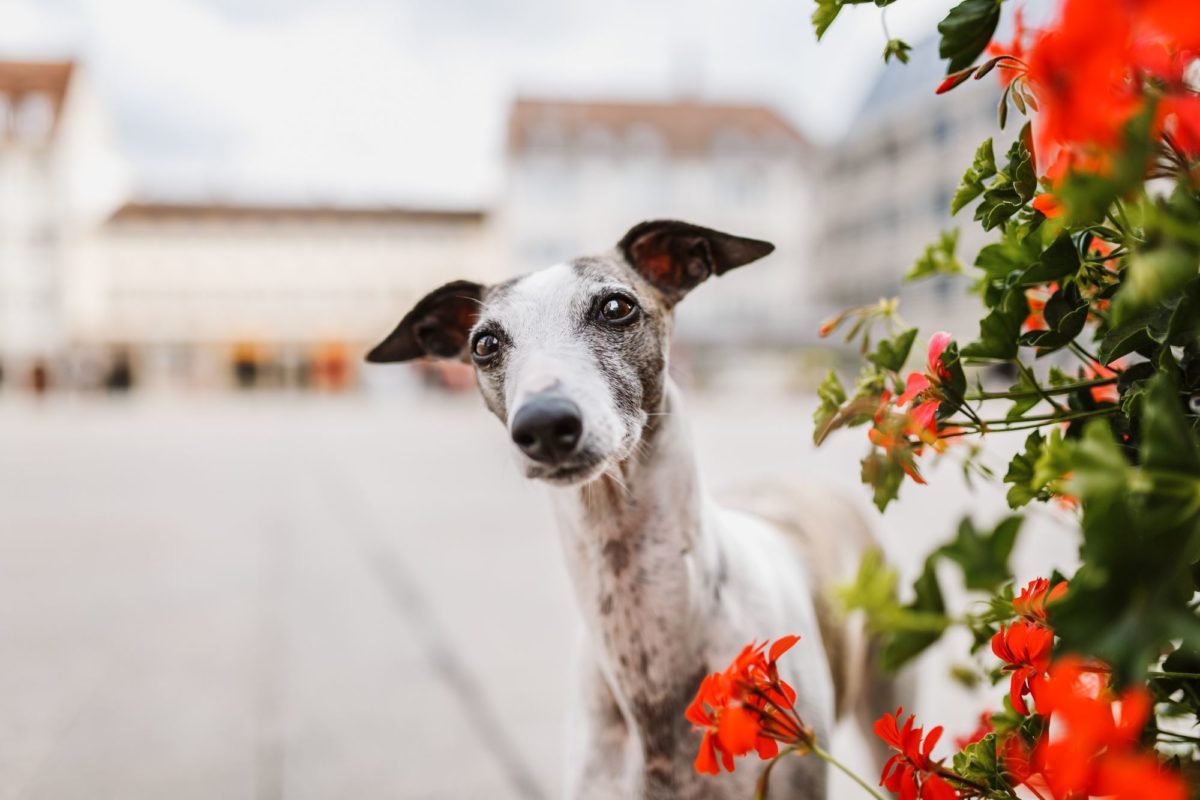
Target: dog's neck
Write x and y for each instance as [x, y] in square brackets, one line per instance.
[641, 552]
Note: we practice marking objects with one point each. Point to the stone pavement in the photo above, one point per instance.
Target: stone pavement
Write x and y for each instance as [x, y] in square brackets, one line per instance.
[307, 597]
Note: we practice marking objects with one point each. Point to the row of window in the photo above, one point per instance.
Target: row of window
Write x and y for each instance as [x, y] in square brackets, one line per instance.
[552, 182]
[887, 218]
[644, 140]
[28, 117]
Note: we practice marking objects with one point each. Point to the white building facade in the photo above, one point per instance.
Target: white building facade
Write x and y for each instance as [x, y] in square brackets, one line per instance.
[886, 190]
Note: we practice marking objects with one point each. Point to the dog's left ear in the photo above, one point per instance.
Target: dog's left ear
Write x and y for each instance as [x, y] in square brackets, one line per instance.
[677, 257]
[437, 326]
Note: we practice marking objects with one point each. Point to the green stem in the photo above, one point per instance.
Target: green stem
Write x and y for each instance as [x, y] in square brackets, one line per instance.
[1029, 376]
[1183, 675]
[829, 759]
[1064, 389]
[1038, 422]
[1083, 354]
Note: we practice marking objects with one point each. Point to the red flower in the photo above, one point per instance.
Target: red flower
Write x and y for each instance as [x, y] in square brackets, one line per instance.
[1025, 650]
[912, 773]
[1108, 393]
[1091, 747]
[1031, 602]
[1078, 70]
[935, 371]
[746, 708]
[1037, 297]
[1015, 48]
[1048, 204]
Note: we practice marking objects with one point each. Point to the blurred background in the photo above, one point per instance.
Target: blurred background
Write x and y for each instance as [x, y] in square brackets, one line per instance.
[237, 562]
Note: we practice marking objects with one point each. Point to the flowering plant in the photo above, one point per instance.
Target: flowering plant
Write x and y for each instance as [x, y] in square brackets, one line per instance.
[1092, 296]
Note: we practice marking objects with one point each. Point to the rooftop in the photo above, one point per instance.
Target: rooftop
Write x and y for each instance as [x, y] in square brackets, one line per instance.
[687, 126]
[146, 211]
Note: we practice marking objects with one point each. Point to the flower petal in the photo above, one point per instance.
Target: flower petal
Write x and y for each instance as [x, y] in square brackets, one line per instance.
[781, 646]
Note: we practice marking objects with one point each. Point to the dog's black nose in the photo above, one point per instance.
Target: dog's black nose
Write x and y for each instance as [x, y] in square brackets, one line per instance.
[548, 428]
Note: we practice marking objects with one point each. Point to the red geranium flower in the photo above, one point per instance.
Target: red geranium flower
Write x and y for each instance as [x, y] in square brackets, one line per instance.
[1024, 648]
[1015, 48]
[1107, 393]
[912, 773]
[935, 375]
[746, 708]
[1048, 204]
[1091, 746]
[1032, 601]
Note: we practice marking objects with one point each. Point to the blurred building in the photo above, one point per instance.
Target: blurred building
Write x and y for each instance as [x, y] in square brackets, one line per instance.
[289, 295]
[101, 287]
[59, 175]
[579, 174]
[886, 190]
[96, 289]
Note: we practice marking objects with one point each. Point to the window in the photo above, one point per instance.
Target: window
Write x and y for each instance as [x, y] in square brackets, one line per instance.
[35, 117]
[943, 127]
[941, 202]
[596, 142]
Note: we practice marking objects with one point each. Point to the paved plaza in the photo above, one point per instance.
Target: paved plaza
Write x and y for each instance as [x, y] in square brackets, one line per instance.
[303, 597]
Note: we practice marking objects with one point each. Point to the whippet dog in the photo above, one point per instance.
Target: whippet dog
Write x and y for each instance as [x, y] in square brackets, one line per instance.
[573, 360]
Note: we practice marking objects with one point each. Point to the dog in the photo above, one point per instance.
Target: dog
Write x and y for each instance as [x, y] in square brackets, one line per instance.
[573, 360]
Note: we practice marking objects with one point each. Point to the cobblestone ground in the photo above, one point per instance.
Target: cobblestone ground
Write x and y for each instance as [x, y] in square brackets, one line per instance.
[305, 597]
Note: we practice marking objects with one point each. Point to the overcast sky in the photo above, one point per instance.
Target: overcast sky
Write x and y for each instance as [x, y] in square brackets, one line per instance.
[404, 100]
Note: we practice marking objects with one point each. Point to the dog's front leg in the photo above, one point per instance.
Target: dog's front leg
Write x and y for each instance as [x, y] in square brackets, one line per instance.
[598, 741]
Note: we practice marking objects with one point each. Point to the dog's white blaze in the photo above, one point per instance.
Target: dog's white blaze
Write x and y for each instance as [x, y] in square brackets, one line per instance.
[541, 315]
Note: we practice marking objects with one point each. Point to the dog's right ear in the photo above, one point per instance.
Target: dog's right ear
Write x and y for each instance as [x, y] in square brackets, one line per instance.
[677, 256]
[437, 326]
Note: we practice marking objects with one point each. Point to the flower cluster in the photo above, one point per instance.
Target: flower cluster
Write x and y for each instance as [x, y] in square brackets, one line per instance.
[747, 708]
[1025, 645]
[903, 433]
[912, 773]
[1100, 65]
[1090, 744]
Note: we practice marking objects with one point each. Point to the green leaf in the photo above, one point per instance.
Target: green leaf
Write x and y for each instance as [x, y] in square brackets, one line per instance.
[938, 259]
[1154, 275]
[966, 31]
[873, 591]
[982, 764]
[824, 15]
[984, 557]
[1065, 315]
[929, 606]
[971, 186]
[1020, 473]
[1012, 187]
[1029, 398]
[890, 354]
[1124, 339]
[897, 49]
[1168, 441]
[884, 476]
[832, 395]
[1059, 260]
[1000, 330]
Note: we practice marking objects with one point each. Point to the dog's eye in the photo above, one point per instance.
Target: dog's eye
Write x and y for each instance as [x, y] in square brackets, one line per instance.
[485, 347]
[618, 309]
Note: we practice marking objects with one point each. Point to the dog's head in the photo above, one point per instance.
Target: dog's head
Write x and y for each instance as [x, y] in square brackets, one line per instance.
[573, 358]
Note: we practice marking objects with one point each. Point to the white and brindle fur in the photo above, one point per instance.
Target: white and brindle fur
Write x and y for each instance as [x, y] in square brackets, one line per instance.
[670, 584]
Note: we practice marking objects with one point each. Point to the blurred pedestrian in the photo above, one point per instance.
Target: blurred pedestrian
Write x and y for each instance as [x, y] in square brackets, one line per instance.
[39, 377]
